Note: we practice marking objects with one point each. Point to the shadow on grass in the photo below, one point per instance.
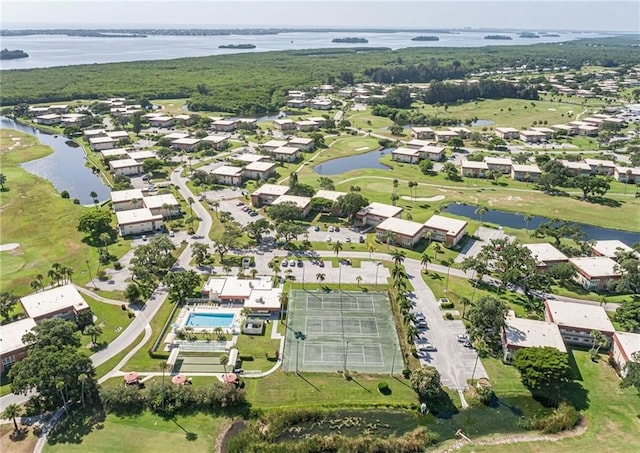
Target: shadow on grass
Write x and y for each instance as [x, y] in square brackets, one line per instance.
[352, 379]
[308, 382]
[188, 435]
[78, 424]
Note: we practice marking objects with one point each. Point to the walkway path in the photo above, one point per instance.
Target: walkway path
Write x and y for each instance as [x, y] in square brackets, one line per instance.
[97, 297]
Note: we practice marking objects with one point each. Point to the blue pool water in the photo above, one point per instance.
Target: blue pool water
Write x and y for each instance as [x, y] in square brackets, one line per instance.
[209, 320]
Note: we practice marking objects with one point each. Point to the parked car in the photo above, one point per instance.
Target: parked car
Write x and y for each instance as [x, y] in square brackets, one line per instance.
[348, 240]
[462, 338]
[300, 263]
[172, 234]
[467, 344]
[420, 316]
[331, 229]
[292, 263]
[428, 347]
[328, 238]
[246, 262]
[361, 239]
[321, 263]
[316, 228]
[336, 228]
[144, 237]
[285, 263]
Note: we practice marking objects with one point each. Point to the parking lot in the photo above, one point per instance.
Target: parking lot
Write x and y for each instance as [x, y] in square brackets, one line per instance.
[343, 273]
[343, 235]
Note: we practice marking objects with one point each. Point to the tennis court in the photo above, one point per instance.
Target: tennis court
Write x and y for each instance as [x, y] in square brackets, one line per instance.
[340, 331]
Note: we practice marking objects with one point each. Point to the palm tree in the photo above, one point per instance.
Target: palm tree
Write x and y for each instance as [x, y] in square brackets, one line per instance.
[3, 180]
[387, 236]
[437, 248]
[398, 273]
[226, 269]
[465, 301]
[40, 279]
[105, 238]
[398, 257]
[216, 205]
[527, 219]
[68, 272]
[425, 260]
[13, 411]
[394, 199]
[166, 207]
[337, 247]
[94, 197]
[481, 211]
[284, 301]
[395, 185]
[599, 341]
[53, 275]
[409, 318]
[370, 249]
[358, 280]
[253, 272]
[190, 200]
[82, 378]
[60, 386]
[35, 285]
[412, 333]
[320, 277]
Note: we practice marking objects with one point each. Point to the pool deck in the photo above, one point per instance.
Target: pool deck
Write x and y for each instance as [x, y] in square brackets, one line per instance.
[183, 317]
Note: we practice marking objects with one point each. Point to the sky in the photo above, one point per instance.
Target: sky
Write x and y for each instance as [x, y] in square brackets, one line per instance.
[583, 15]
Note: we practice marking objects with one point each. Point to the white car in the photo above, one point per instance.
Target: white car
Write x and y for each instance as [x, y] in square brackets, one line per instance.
[428, 347]
[330, 229]
[328, 238]
[462, 338]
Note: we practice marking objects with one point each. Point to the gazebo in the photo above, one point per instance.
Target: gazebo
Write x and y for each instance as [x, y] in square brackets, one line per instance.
[131, 378]
[230, 378]
[179, 379]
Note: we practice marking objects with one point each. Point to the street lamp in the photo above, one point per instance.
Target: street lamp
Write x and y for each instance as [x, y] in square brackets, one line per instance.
[474, 368]
[446, 287]
[377, 267]
[90, 277]
[339, 275]
[297, 354]
[346, 353]
[393, 360]
[303, 276]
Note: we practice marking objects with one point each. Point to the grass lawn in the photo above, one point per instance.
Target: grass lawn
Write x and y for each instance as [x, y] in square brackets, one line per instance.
[611, 413]
[111, 318]
[145, 432]
[326, 390]
[107, 366]
[254, 349]
[43, 223]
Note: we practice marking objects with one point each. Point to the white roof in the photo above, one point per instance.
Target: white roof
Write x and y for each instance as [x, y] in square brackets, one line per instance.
[576, 165]
[442, 223]
[248, 289]
[274, 144]
[49, 116]
[215, 138]
[595, 266]
[528, 333]
[604, 163]
[421, 129]
[525, 168]
[247, 120]
[400, 226]
[474, 164]
[544, 252]
[11, 335]
[506, 130]
[134, 216]
[590, 317]
[156, 201]
[124, 163]
[532, 133]
[306, 123]
[118, 134]
[176, 135]
[406, 151]
[224, 122]
[63, 297]
[301, 202]
[88, 132]
[381, 210]
[609, 248]
[260, 166]
[544, 130]
[227, 170]
[271, 189]
[431, 149]
[186, 141]
[286, 150]
[564, 127]
[635, 171]
[283, 121]
[446, 133]
[332, 195]
[300, 141]
[96, 140]
[159, 118]
[145, 154]
[417, 143]
[630, 342]
[114, 152]
[249, 157]
[120, 196]
[498, 161]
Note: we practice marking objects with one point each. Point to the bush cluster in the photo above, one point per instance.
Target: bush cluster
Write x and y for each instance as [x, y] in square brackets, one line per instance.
[170, 399]
[563, 418]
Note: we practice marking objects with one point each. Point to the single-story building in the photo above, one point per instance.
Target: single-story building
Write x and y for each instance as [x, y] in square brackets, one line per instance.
[141, 156]
[409, 155]
[224, 125]
[431, 152]
[125, 167]
[100, 143]
[88, 133]
[259, 170]
[138, 221]
[117, 135]
[473, 169]
[445, 229]
[507, 133]
[376, 213]
[267, 193]
[601, 167]
[595, 273]
[284, 124]
[165, 205]
[217, 141]
[422, 133]
[625, 344]
[577, 168]
[609, 248]
[115, 152]
[124, 200]
[577, 321]
[175, 135]
[527, 173]
[258, 294]
[629, 175]
[565, 129]
[161, 121]
[307, 125]
[185, 144]
[12, 348]
[501, 164]
[521, 333]
[249, 158]
[404, 233]
[60, 302]
[546, 255]
[303, 203]
[228, 175]
[272, 145]
[319, 120]
[286, 154]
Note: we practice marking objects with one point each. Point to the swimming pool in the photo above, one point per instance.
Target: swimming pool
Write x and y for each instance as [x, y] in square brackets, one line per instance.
[197, 320]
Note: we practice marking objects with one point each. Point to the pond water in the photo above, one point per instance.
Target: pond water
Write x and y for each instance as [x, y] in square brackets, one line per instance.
[482, 123]
[516, 220]
[502, 417]
[65, 168]
[345, 164]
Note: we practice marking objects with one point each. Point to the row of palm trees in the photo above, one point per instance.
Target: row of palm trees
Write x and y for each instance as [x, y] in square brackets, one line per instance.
[58, 274]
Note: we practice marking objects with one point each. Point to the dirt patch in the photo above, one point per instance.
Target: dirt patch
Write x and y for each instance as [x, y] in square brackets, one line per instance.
[24, 444]
[227, 432]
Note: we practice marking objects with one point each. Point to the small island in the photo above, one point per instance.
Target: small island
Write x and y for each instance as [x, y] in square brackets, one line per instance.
[529, 34]
[500, 37]
[6, 54]
[425, 38]
[237, 46]
[350, 40]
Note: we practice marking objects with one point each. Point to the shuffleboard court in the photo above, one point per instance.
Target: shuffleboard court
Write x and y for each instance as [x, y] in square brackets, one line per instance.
[332, 332]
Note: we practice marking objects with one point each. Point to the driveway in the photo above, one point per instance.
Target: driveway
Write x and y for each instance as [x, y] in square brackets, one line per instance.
[240, 216]
[342, 273]
[473, 246]
[342, 235]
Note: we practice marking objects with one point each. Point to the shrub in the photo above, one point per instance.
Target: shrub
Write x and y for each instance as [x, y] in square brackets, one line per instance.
[406, 373]
[64, 194]
[102, 275]
[383, 388]
[485, 394]
[563, 418]
[76, 201]
[117, 265]
[448, 316]
[446, 305]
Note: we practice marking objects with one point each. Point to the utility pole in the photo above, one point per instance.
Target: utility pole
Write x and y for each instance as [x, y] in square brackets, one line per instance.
[90, 277]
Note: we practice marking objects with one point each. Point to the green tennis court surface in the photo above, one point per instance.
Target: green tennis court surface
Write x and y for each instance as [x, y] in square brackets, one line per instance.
[339, 331]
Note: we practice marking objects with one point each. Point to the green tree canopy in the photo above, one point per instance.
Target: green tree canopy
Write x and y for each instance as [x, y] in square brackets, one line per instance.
[351, 203]
[95, 222]
[182, 285]
[628, 314]
[487, 318]
[426, 383]
[632, 368]
[284, 212]
[542, 368]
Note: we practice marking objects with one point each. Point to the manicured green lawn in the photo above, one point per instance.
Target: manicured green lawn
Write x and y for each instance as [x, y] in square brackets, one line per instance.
[254, 349]
[144, 433]
[325, 389]
[111, 318]
[611, 413]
